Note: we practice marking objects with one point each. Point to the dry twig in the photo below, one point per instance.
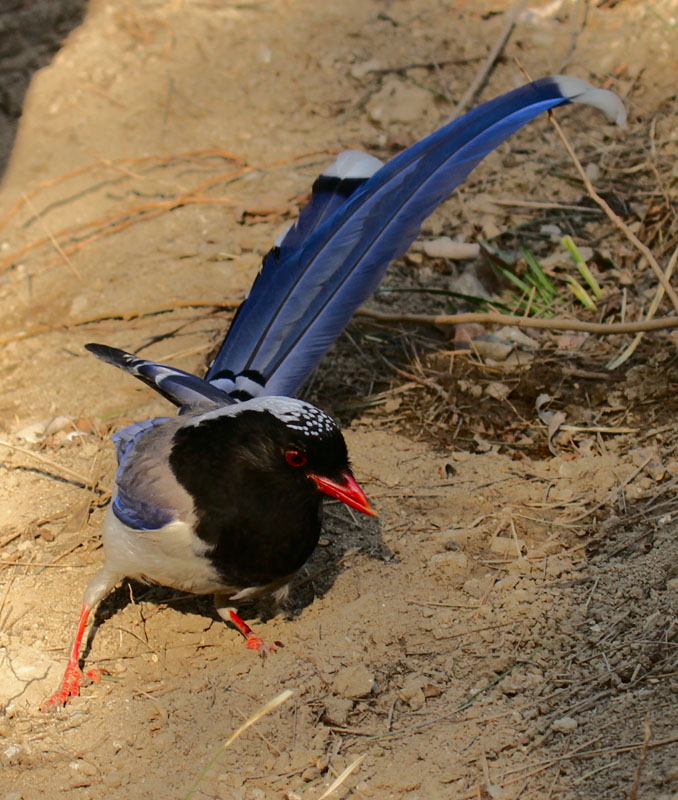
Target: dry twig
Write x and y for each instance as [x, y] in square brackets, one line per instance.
[65, 471]
[493, 318]
[341, 778]
[56, 244]
[228, 305]
[633, 794]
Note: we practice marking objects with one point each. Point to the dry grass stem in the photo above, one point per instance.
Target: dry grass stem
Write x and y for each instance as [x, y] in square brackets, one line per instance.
[654, 305]
[54, 242]
[34, 564]
[283, 697]
[596, 429]
[5, 594]
[116, 164]
[127, 316]
[120, 220]
[613, 492]
[342, 777]
[10, 538]
[557, 324]
[87, 483]
[539, 204]
[590, 773]
[633, 794]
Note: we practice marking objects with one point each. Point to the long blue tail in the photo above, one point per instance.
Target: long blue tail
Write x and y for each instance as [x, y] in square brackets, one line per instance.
[357, 222]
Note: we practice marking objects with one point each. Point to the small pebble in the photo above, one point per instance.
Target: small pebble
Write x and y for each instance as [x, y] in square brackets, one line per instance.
[355, 681]
[565, 725]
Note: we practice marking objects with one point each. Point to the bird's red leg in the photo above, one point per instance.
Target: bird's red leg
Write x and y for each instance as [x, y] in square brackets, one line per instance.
[253, 641]
[73, 677]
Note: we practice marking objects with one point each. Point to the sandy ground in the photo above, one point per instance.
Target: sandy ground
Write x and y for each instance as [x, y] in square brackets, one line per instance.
[507, 628]
[31, 32]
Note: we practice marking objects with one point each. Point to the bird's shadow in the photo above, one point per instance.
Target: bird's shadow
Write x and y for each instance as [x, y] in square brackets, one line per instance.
[345, 537]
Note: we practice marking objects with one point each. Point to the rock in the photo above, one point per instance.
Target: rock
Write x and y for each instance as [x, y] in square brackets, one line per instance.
[337, 710]
[501, 663]
[649, 459]
[79, 305]
[27, 676]
[507, 583]
[592, 171]
[489, 347]
[112, 779]
[464, 333]
[551, 230]
[565, 725]
[355, 681]
[515, 335]
[521, 565]
[474, 389]
[358, 71]
[41, 430]
[468, 283]
[83, 767]
[412, 692]
[310, 774]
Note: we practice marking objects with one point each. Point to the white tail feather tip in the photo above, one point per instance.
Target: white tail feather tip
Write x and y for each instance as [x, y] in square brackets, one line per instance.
[581, 91]
[353, 164]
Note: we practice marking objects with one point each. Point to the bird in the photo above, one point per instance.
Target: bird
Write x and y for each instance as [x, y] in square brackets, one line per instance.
[226, 497]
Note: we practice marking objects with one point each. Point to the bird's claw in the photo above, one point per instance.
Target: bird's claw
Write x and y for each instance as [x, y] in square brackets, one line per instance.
[258, 644]
[74, 678]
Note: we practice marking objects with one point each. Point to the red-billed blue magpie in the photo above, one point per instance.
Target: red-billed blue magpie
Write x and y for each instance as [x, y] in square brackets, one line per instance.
[226, 498]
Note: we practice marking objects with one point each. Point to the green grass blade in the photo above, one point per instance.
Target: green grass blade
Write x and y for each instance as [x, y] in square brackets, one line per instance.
[583, 267]
[580, 293]
[514, 279]
[544, 286]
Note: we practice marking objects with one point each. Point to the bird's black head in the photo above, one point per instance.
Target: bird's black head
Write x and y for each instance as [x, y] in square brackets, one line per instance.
[257, 472]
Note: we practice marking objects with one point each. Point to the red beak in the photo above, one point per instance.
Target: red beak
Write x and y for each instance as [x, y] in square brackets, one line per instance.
[346, 490]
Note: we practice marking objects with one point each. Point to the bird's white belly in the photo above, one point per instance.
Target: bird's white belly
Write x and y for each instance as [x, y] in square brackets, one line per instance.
[171, 556]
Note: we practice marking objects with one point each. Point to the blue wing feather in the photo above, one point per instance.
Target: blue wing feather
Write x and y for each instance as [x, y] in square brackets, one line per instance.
[305, 294]
[181, 388]
[129, 506]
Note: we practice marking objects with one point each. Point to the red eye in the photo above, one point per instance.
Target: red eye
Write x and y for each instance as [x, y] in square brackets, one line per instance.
[295, 459]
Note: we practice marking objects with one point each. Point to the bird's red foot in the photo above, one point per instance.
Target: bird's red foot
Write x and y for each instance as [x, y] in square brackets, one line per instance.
[74, 678]
[254, 642]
